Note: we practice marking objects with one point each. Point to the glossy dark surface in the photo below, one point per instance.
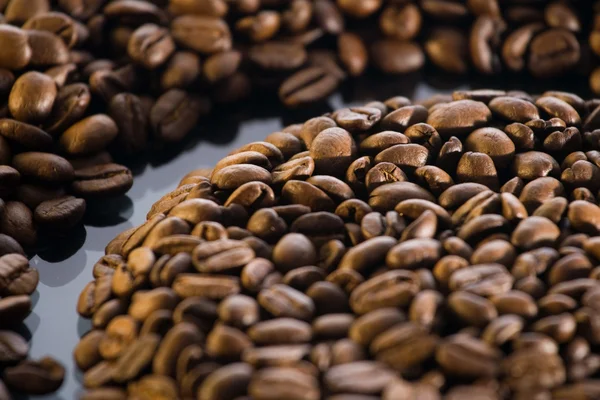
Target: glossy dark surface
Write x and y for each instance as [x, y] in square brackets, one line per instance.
[66, 266]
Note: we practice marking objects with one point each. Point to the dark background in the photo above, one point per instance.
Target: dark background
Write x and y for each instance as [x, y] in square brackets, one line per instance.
[65, 265]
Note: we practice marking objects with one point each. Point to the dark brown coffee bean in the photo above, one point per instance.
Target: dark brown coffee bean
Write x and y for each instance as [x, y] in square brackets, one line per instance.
[415, 253]
[392, 346]
[383, 173]
[306, 86]
[150, 46]
[127, 112]
[273, 56]
[89, 135]
[18, 52]
[13, 347]
[473, 309]
[32, 97]
[448, 119]
[60, 214]
[477, 168]
[43, 166]
[553, 52]
[36, 377]
[461, 355]
[102, 180]
[14, 309]
[58, 23]
[47, 49]
[70, 104]
[402, 22]
[174, 115]
[539, 191]
[364, 377]
[214, 287]
[133, 12]
[386, 197]
[108, 83]
[203, 34]
[183, 69]
[485, 36]
[551, 369]
[395, 288]
[397, 57]
[283, 301]
[353, 53]
[448, 49]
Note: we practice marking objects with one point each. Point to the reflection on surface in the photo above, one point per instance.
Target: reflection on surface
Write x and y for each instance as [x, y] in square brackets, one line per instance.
[65, 263]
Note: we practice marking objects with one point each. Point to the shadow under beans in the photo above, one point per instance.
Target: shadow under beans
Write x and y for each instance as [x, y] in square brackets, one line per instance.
[35, 297]
[59, 274]
[21, 396]
[108, 212]
[55, 248]
[29, 326]
[25, 330]
[83, 326]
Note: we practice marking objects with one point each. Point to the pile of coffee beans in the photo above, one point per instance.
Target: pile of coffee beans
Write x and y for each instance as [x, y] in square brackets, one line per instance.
[82, 82]
[17, 282]
[446, 249]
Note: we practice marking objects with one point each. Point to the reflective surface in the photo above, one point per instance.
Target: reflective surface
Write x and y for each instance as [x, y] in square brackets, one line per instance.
[66, 265]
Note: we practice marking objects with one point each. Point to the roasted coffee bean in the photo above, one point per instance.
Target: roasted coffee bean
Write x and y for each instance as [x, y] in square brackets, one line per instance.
[397, 57]
[13, 347]
[60, 214]
[174, 115]
[70, 104]
[102, 180]
[448, 49]
[44, 167]
[36, 377]
[553, 52]
[32, 97]
[89, 135]
[307, 86]
[47, 49]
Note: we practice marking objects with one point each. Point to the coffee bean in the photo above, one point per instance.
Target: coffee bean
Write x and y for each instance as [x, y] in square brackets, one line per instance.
[153, 386]
[448, 119]
[174, 115]
[13, 347]
[47, 49]
[353, 53]
[397, 57]
[203, 34]
[102, 180]
[283, 301]
[306, 86]
[150, 46]
[553, 52]
[448, 49]
[18, 52]
[183, 69]
[359, 377]
[461, 355]
[229, 381]
[32, 97]
[60, 214]
[396, 288]
[36, 377]
[70, 104]
[401, 21]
